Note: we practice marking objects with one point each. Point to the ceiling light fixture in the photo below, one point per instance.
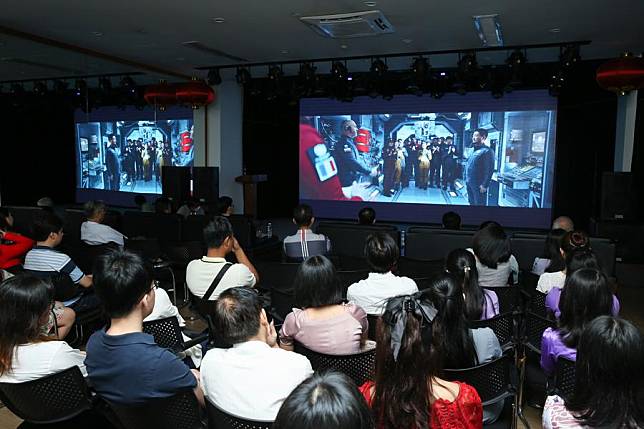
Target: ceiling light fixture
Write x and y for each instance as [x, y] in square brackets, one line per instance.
[218, 20]
[214, 77]
[339, 70]
[243, 76]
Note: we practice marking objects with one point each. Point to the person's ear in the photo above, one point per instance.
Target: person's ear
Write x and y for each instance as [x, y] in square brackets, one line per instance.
[293, 220]
[263, 319]
[312, 221]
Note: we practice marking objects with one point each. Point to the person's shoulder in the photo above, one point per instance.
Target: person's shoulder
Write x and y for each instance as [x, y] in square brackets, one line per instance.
[551, 334]
[291, 359]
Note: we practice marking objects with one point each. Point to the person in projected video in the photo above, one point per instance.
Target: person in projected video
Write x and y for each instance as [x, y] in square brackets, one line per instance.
[350, 165]
[478, 169]
[113, 165]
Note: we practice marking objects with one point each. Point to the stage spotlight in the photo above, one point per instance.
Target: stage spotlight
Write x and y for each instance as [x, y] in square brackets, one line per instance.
[80, 87]
[40, 88]
[569, 56]
[307, 72]
[17, 89]
[339, 70]
[214, 78]
[467, 63]
[243, 76]
[420, 67]
[60, 87]
[128, 85]
[105, 84]
[275, 73]
[378, 68]
[516, 59]
[557, 81]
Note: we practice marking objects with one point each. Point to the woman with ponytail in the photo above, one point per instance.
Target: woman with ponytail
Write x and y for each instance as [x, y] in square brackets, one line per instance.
[480, 304]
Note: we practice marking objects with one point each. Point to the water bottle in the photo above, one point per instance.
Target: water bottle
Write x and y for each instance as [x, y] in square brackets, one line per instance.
[269, 230]
[402, 242]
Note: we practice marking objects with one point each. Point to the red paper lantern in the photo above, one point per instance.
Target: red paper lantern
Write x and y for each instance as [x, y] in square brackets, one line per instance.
[363, 140]
[622, 75]
[161, 95]
[194, 93]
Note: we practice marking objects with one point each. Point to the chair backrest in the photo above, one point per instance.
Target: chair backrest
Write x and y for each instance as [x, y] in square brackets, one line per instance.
[166, 332]
[537, 304]
[192, 228]
[373, 325]
[565, 377]
[492, 380]
[51, 399]
[349, 277]
[23, 219]
[418, 268]
[525, 249]
[244, 230]
[606, 252]
[180, 411]
[140, 224]
[534, 327]
[349, 239]
[167, 227]
[509, 297]
[147, 248]
[74, 218]
[435, 244]
[360, 367]
[218, 419]
[282, 301]
[277, 275]
[503, 326]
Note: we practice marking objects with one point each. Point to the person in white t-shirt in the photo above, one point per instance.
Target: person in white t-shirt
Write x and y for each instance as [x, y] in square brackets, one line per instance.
[93, 232]
[200, 273]
[555, 275]
[372, 293]
[26, 353]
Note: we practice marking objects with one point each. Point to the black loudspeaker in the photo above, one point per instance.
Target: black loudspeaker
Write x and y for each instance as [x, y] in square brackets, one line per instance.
[206, 183]
[618, 195]
[176, 183]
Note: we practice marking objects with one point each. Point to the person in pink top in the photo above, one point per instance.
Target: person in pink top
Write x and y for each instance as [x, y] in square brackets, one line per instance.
[322, 322]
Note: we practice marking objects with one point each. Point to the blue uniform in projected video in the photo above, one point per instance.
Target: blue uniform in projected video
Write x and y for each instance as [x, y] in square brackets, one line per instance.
[479, 169]
[350, 167]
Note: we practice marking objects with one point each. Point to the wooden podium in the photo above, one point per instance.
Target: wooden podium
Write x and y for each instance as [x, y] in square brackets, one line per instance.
[250, 182]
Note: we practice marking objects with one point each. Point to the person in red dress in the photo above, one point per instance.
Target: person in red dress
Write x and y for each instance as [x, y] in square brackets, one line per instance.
[406, 354]
[13, 246]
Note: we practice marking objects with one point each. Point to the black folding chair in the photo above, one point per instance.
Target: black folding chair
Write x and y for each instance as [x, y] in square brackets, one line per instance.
[349, 277]
[419, 268]
[504, 327]
[180, 411]
[373, 325]
[282, 302]
[509, 297]
[168, 334]
[150, 250]
[56, 398]
[564, 383]
[218, 419]
[359, 367]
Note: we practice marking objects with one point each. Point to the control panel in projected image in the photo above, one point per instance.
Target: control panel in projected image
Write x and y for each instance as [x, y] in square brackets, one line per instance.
[457, 158]
[127, 156]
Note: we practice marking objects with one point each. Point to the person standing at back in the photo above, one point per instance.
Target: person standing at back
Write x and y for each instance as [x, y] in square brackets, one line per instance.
[305, 243]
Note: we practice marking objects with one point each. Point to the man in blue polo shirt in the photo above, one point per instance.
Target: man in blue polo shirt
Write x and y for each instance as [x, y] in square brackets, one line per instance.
[124, 365]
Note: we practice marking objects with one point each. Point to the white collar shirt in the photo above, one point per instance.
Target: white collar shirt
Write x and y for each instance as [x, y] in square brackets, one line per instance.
[373, 292]
[94, 233]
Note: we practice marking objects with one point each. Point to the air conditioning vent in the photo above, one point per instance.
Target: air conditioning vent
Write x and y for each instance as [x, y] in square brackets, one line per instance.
[347, 25]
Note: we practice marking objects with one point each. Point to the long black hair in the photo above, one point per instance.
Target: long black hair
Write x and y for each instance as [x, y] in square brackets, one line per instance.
[585, 295]
[326, 400]
[609, 377]
[462, 264]
[26, 300]
[451, 328]
[552, 251]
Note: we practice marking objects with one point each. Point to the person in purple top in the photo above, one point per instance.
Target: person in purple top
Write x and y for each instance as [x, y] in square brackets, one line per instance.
[480, 304]
[585, 296]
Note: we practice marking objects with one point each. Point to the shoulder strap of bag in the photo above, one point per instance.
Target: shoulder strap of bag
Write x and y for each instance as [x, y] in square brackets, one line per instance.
[216, 281]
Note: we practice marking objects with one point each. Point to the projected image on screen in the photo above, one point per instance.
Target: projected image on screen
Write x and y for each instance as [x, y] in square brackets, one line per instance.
[128, 155]
[474, 158]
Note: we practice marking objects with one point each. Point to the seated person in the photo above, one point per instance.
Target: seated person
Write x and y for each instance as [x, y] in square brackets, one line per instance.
[251, 379]
[26, 351]
[322, 322]
[462, 347]
[372, 293]
[305, 243]
[192, 207]
[480, 304]
[367, 216]
[124, 365]
[408, 368]
[563, 222]
[225, 206]
[163, 205]
[495, 263]
[577, 259]
[555, 275]
[551, 260]
[45, 262]
[200, 273]
[585, 296]
[608, 381]
[93, 232]
[13, 246]
[451, 220]
[327, 400]
[142, 203]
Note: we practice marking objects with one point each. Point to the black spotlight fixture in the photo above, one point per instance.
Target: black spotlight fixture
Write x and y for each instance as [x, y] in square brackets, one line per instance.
[378, 68]
[339, 70]
[105, 84]
[275, 73]
[569, 56]
[40, 88]
[60, 87]
[128, 85]
[80, 87]
[420, 67]
[243, 76]
[307, 72]
[467, 64]
[214, 77]
[517, 59]
[557, 81]
[17, 89]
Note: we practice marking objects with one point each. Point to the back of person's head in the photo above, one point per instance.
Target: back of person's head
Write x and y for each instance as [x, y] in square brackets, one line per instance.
[367, 216]
[95, 209]
[163, 205]
[381, 252]
[303, 215]
[45, 223]
[575, 240]
[609, 376]
[408, 356]
[5, 215]
[585, 295]
[491, 245]
[450, 327]
[224, 204]
[26, 302]
[487, 223]
[563, 222]
[552, 250]
[316, 283]
[581, 258]
[326, 400]
[451, 220]
[237, 314]
[45, 202]
[462, 264]
[217, 231]
[121, 280]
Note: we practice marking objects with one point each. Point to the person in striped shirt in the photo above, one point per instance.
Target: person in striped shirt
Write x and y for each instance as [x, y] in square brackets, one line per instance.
[305, 243]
